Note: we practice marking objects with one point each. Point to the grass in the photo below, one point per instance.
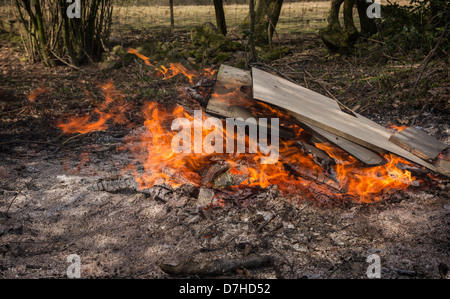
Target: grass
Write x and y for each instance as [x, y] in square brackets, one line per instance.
[295, 17]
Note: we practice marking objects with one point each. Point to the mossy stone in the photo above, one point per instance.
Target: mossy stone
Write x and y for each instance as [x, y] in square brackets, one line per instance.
[119, 50]
[165, 47]
[176, 44]
[200, 35]
[278, 53]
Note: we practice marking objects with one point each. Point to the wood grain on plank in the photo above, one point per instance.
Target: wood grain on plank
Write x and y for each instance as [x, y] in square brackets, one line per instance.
[227, 90]
[317, 110]
[363, 154]
[419, 143]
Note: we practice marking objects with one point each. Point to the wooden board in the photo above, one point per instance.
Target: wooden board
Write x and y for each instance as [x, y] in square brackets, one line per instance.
[226, 98]
[317, 110]
[227, 90]
[419, 143]
[230, 80]
[443, 166]
[363, 154]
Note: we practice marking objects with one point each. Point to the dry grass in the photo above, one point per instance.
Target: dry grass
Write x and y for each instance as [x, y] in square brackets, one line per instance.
[295, 17]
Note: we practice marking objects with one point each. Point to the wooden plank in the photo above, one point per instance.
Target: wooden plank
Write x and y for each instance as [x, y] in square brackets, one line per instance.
[443, 166]
[318, 110]
[363, 154]
[227, 91]
[419, 143]
[227, 98]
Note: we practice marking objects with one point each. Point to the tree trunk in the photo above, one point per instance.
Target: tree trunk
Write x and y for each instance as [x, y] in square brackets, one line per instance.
[252, 30]
[51, 35]
[41, 33]
[368, 25]
[172, 18]
[337, 38]
[267, 13]
[274, 15]
[220, 17]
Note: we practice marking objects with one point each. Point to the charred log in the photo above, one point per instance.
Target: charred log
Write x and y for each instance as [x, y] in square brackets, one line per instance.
[129, 185]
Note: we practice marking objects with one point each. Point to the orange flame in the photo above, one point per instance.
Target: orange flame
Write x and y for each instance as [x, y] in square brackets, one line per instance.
[396, 128]
[296, 172]
[368, 183]
[33, 95]
[112, 109]
[173, 70]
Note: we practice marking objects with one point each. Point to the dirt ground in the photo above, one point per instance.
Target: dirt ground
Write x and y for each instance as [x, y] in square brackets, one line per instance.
[48, 212]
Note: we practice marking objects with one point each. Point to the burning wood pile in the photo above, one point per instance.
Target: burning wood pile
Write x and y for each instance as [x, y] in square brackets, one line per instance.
[258, 135]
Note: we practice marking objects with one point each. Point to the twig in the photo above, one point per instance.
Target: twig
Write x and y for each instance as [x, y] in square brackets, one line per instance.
[71, 138]
[65, 62]
[426, 61]
[18, 193]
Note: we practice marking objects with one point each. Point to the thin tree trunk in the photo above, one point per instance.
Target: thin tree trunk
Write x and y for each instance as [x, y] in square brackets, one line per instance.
[66, 36]
[336, 37]
[267, 13]
[252, 30]
[39, 23]
[220, 17]
[274, 15]
[368, 26]
[172, 18]
[51, 35]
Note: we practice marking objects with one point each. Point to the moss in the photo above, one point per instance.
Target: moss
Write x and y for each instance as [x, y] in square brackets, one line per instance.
[222, 57]
[199, 56]
[185, 53]
[207, 35]
[338, 40]
[119, 50]
[278, 53]
[191, 53]
[217, 41]
[200, 35]
[176, 44]
[165, 47]
[241, 63]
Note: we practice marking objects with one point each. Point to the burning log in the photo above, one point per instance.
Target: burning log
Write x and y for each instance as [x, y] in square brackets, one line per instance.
[321, 158]
[200, 91]
[194, 94]
[216, 267]
[419, 143]
[316, 176]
